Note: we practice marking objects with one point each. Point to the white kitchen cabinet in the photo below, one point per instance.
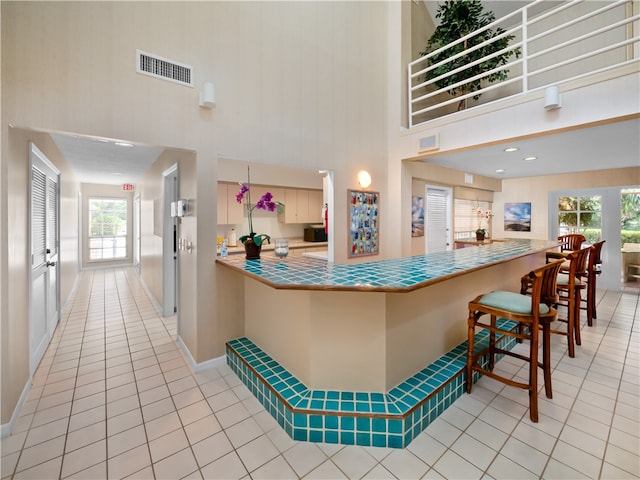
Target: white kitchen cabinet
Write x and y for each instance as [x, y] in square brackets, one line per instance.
[301, 206]
[257, 191]
[230, 212]
[315, 206]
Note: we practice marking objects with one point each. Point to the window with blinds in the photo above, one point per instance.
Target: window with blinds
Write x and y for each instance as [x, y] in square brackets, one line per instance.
[466, 220]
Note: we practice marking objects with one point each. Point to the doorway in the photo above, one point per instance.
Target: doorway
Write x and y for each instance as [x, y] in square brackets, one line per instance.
[44, 291]
[596, 214]
[438, 229]
[169, 242]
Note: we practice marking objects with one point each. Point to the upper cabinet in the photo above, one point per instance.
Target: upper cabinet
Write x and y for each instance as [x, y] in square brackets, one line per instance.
[301, 206]
[230, 212]
[315, 206]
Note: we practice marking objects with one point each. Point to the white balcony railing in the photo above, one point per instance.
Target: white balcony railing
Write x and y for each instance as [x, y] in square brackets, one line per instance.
[556, 45]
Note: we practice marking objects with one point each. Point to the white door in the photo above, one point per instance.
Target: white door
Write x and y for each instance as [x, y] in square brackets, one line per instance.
[437, 222]
[44, 296]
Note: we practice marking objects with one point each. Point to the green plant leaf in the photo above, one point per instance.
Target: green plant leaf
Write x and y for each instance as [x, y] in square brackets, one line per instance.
[459, 18]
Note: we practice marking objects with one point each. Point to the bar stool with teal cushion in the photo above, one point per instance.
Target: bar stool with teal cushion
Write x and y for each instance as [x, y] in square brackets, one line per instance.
[526, 316]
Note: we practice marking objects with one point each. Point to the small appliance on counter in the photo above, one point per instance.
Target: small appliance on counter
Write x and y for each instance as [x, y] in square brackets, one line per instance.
[315, 233]
[232, 239]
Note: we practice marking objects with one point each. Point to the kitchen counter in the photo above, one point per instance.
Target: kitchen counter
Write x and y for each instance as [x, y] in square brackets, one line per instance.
[294, 244]
[475, 243]
[389, 332]
[395, 275]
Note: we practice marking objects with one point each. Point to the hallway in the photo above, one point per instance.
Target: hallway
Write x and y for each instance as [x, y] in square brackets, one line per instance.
[114, 398]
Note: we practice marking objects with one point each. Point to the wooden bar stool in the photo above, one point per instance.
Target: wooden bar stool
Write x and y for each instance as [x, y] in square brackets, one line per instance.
[594, 268]
[568, 244]
[535, 313]
[569, 289]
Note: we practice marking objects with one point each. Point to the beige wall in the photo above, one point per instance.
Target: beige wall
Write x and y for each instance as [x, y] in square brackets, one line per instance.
[300, 96]
[536, 190]
[15, 281]
[423, 174]
[151, 267]
[540, 191]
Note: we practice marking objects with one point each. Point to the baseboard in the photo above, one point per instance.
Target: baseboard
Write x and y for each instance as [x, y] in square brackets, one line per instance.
[151, 296]
[7, 428]
[199, 367]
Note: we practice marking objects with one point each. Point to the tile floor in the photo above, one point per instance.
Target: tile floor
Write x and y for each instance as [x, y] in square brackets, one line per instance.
[114, 398]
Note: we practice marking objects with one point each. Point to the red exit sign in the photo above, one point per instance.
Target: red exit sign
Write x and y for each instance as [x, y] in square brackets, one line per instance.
[128, 187]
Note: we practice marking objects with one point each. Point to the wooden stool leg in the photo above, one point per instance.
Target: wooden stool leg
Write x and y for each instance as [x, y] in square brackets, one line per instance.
[590, 302]
[571, 314]
[492, 344]
[470, 345]
[546, 358]
[576, 325]
[533, 376]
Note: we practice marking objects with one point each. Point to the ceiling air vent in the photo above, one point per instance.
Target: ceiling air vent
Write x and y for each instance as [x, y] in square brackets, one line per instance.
[159, 67]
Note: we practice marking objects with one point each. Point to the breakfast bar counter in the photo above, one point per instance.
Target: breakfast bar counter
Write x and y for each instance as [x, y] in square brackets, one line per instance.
[316, 329]
[371, 325]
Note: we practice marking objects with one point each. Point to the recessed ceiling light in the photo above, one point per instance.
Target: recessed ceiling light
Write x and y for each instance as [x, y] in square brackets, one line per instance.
[116, 173]
[528, 159]
[511, 149]
[124, 144]
[500, 170]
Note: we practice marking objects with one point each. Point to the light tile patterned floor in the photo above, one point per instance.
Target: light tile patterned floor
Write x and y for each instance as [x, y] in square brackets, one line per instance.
[114, 398]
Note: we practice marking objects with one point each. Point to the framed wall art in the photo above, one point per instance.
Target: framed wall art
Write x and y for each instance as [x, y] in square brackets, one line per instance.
[517, 217]
[364, 223]
[417, 216]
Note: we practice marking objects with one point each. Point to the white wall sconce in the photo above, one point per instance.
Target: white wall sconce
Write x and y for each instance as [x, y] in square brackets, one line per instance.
[364, 179]
[208, 96]
[552, 98]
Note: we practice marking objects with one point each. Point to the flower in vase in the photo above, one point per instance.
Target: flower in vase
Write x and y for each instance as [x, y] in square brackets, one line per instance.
[482, 216]
[265, 203]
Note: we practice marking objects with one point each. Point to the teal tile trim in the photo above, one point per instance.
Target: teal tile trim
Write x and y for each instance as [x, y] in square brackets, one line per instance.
[391, 275]
[392, 419]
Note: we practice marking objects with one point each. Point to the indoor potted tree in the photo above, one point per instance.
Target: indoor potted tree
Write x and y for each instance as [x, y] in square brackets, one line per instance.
[459, 18]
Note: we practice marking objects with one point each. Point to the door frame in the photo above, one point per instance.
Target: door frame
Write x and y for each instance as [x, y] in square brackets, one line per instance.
[37, 351]
[610, 278]
[136, 231]
[169, 242]
[448, 212]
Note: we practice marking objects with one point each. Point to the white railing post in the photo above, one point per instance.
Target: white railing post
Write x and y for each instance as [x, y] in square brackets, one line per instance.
[410, 95]
[525, 50]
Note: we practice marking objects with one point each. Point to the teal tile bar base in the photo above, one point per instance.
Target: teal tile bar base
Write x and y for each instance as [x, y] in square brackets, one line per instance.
[391, 419]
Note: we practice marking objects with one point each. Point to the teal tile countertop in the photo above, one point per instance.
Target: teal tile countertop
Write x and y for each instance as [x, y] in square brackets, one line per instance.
[393, 275]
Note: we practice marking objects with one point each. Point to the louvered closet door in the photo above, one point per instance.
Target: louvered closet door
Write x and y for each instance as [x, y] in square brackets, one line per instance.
[44, 298]
[437, 221]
